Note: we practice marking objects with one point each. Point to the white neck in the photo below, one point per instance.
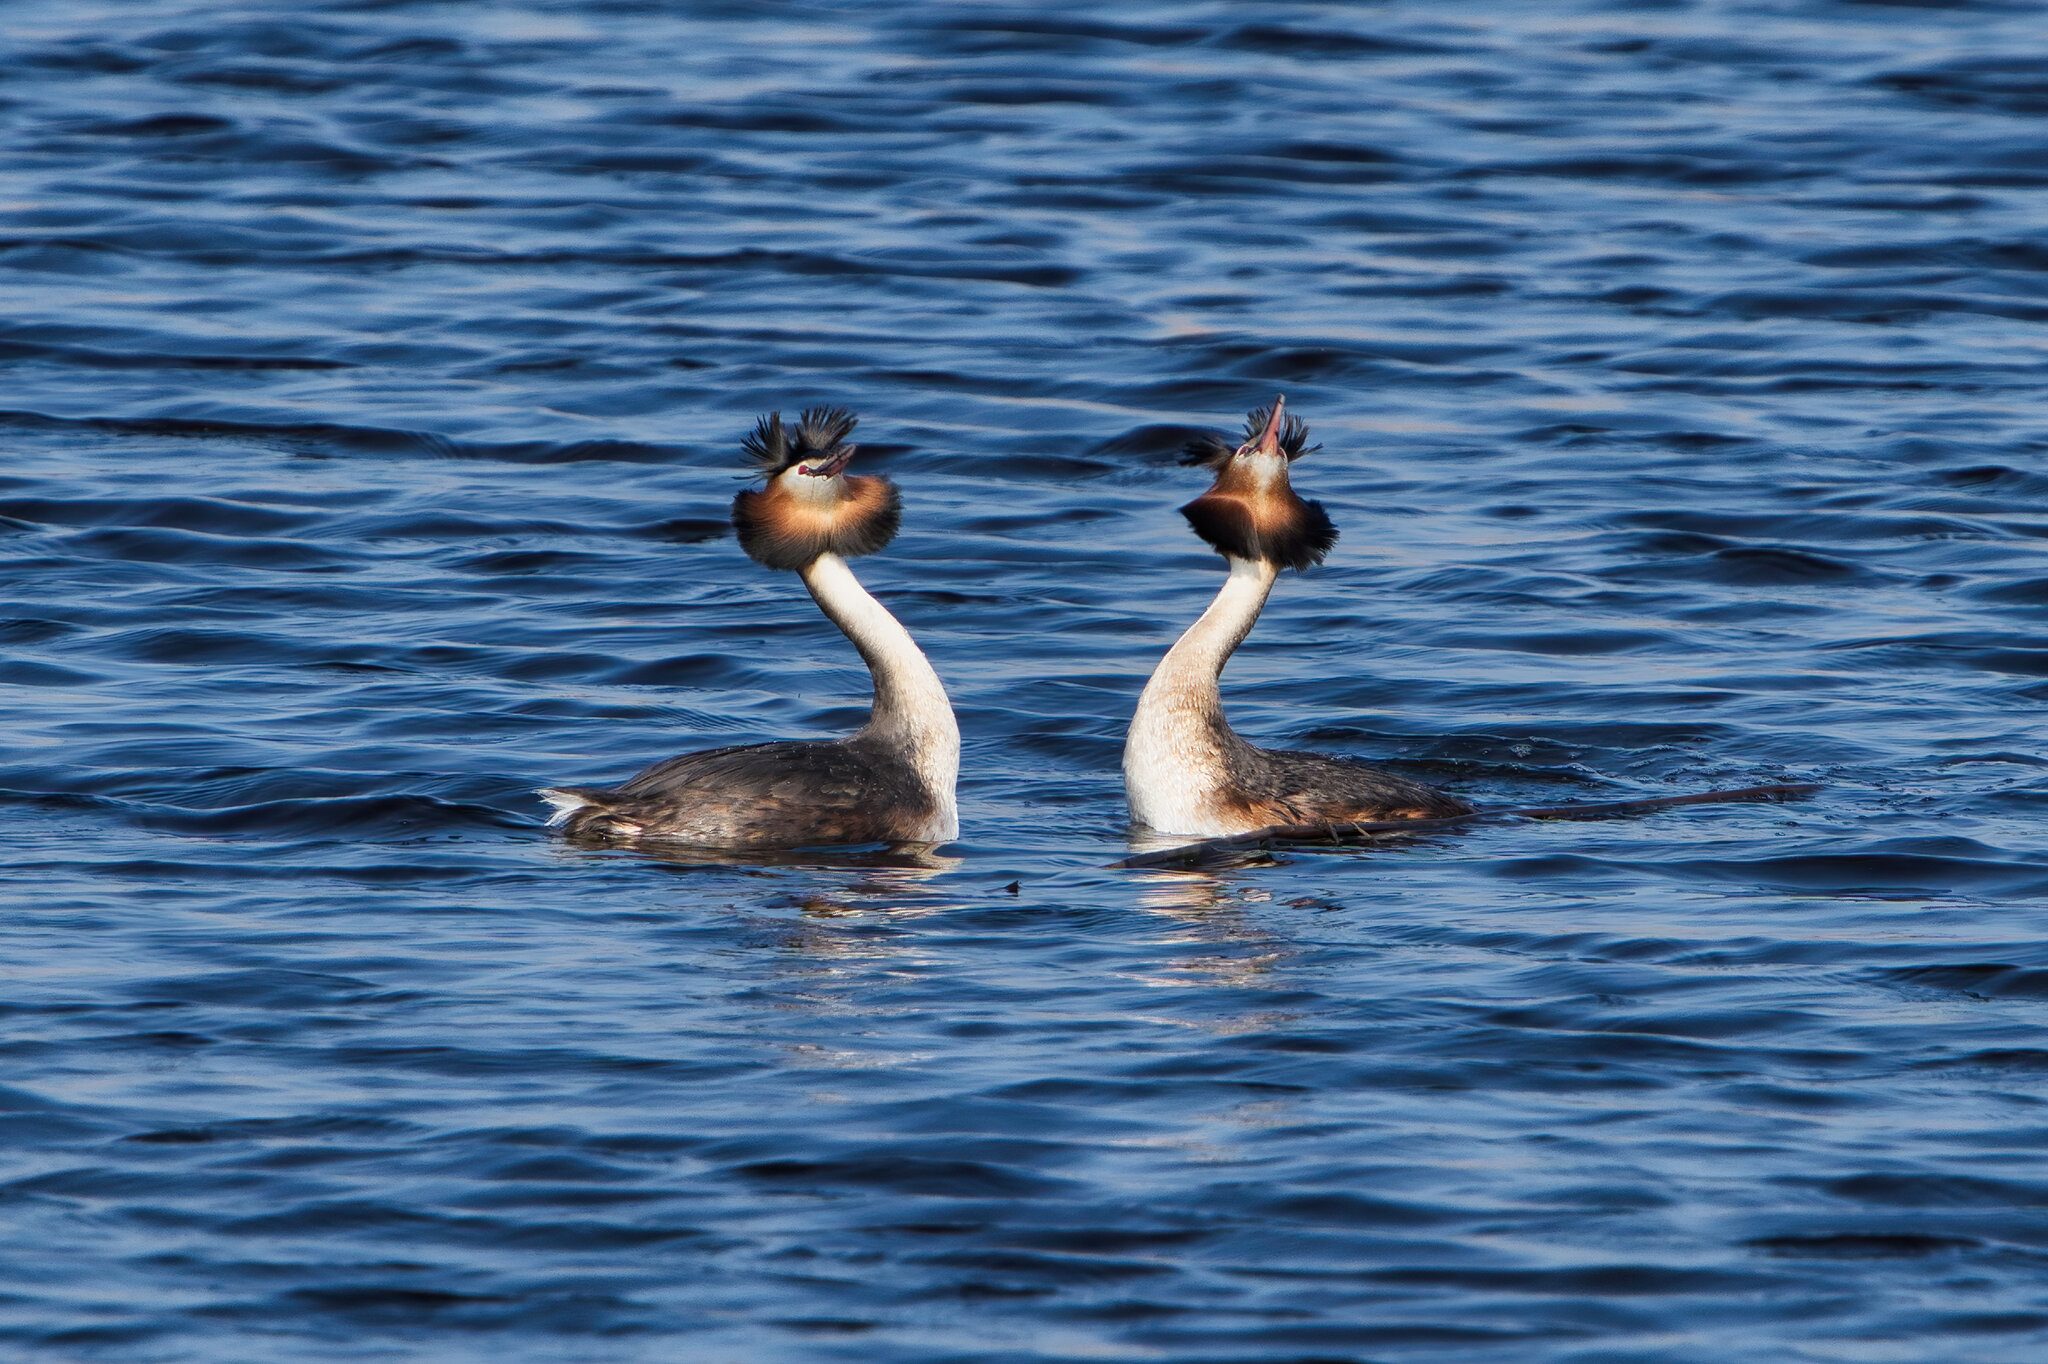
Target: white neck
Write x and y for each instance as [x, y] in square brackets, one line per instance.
[911, 710]
[1173, 760]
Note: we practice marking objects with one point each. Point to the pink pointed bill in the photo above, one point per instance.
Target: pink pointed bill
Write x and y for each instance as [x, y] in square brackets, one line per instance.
[1269, 439]
[832, 464]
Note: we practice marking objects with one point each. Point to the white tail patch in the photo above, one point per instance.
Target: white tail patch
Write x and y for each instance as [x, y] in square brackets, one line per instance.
[566, 803]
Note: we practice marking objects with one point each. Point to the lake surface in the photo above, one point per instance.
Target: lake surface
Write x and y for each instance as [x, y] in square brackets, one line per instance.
[374, 378]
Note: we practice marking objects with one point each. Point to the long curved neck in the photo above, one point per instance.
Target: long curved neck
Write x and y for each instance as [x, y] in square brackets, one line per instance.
[1193, 666]
[911, 707]
[1177, 754]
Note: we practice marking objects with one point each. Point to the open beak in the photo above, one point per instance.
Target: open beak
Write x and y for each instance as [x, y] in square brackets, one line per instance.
[830, 466]
[1269, 439]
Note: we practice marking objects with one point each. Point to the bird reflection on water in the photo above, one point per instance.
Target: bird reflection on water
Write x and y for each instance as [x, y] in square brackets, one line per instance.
[1222, 939]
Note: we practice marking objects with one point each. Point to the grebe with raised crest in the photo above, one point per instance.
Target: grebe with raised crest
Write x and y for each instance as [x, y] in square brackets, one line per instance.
[1185, 770]
[892, 781]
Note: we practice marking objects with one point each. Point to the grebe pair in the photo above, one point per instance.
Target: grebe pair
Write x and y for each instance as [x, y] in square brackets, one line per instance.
[892, 781]
[1185, 770]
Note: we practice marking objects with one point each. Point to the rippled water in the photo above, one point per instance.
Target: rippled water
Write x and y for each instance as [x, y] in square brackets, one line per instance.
[374, 377]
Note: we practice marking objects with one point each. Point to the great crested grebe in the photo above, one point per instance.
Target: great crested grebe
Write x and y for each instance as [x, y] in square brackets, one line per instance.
[891, 781]
[1185, 770]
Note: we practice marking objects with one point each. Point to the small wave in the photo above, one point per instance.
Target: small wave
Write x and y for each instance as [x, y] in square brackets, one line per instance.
[330, 438]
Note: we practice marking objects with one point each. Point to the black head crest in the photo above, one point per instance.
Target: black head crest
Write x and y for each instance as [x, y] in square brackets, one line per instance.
[768, 445]
[1208, 450]
[1213, 450]
[820, 430]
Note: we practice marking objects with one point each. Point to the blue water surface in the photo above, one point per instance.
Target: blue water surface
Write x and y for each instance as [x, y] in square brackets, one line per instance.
[374, 376]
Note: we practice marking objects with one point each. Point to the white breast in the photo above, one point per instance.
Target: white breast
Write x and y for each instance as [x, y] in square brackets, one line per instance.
[1173, 771]
[1173, 755]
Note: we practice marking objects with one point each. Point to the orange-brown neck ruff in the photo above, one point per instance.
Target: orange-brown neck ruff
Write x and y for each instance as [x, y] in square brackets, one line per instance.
[1241, 519]
[781, 529]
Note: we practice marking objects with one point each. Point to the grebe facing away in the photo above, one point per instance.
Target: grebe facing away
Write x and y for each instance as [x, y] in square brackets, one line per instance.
[1185, 770]
[890, 782]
